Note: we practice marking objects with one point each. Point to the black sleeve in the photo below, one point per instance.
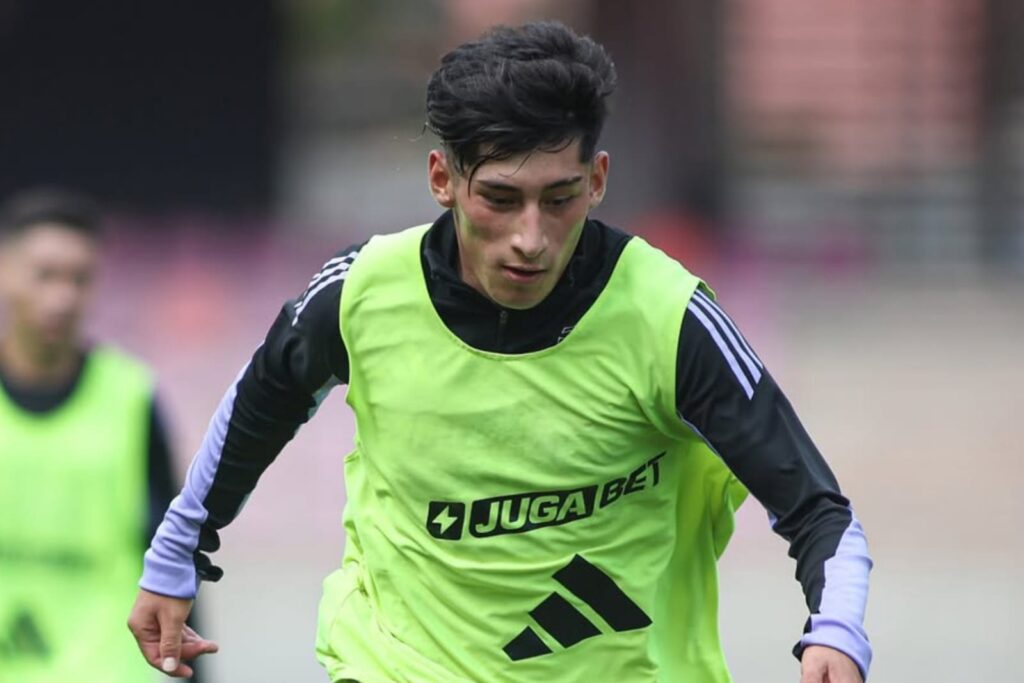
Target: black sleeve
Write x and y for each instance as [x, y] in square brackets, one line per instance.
[161, 483]
[726, 395]
[302, 358]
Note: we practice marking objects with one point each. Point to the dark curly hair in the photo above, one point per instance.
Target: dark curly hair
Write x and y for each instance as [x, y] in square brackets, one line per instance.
[534, 87]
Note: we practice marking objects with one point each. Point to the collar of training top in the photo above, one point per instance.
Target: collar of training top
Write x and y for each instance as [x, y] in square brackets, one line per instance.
[476, 319]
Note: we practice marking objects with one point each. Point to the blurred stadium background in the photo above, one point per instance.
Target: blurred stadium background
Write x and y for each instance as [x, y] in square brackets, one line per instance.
[849, 175]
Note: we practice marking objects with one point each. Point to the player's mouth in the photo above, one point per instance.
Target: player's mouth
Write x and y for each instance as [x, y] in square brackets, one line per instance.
[524, 274]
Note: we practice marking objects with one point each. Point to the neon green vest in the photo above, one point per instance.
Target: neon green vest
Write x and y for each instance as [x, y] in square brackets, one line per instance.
[535, 517]
[72, 518]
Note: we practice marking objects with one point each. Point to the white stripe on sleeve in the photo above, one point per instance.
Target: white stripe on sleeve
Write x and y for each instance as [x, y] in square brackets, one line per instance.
[316, 290]
[723, 347]
[755, 373]
[332, 267]
[705, 298]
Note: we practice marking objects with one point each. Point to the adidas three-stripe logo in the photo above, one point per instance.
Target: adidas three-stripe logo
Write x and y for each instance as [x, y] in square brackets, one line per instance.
[334, 270]
[565, 623]
[742, 360]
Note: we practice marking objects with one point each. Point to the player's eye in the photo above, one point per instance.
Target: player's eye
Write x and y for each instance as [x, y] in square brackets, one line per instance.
[561, 201]
[499, 202]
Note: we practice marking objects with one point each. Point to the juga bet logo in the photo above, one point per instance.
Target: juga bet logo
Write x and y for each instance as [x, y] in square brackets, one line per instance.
[521, 512]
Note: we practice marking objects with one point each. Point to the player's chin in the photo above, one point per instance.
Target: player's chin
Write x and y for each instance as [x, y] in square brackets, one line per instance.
[519, 299]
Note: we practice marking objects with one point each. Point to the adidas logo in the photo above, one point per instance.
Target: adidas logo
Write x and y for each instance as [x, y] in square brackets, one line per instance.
[24, 639]
[566, 624]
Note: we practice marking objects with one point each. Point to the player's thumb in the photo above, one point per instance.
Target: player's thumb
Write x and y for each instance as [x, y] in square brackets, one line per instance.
[170, 639]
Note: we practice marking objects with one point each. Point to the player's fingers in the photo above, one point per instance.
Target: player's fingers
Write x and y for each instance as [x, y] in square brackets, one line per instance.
[190, 634]
[147, 636]
[192, 649]
[193, 644]
[151, 652]
[170, 641]
[183, 671]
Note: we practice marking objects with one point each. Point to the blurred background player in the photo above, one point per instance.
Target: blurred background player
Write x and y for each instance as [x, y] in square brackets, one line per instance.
[85, 470]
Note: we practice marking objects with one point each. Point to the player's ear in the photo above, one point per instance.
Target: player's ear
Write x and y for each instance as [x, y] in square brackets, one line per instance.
[441, 178]
[598, 178]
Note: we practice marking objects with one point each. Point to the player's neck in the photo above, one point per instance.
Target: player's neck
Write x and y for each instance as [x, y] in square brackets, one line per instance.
[31, 364]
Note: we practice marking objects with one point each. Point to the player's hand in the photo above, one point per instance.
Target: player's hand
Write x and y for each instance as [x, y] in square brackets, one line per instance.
[158, 624]
[820, 664]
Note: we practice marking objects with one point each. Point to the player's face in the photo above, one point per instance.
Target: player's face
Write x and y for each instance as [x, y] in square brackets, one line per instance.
[47, 278]
[519, 219]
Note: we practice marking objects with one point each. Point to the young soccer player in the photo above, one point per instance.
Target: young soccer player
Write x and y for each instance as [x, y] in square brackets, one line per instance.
[549, 411]
[85, 471]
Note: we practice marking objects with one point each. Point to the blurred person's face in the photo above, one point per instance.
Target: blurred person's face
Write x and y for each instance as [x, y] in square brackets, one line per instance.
[46, 279]
[519, 219]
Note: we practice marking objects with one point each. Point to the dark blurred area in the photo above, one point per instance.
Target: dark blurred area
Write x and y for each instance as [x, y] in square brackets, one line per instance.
[148, 105]
[790, 130]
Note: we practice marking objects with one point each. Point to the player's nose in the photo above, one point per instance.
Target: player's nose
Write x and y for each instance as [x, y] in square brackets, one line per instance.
[529, 238]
